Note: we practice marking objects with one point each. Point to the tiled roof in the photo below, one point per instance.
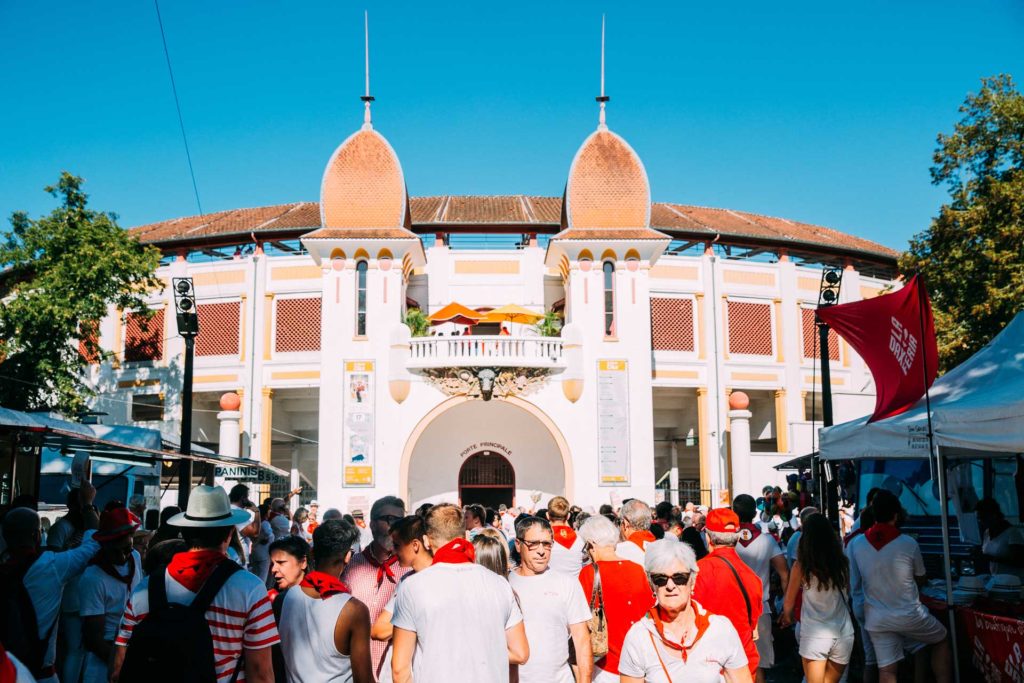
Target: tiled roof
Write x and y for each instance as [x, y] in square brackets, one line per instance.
[607, 185]
[363, 185]
[361, 234]
[540, 213]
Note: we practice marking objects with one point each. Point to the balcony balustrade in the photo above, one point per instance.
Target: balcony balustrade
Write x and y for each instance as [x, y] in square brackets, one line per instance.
[427, 353]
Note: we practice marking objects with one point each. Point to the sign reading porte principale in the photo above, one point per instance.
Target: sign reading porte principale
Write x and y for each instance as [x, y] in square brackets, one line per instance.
[359, 416]
[613, 422]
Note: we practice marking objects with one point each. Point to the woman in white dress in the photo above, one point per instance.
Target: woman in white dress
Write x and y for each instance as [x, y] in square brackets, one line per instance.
[822, 571]
[678, 640]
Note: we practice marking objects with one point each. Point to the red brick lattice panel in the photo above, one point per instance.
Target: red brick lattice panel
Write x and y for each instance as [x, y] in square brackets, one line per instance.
[298, 325]
[89, 344]
[144, 338]
[486, 469]
[672, 324]
[810, 333]
[218, 329]
[750, 328]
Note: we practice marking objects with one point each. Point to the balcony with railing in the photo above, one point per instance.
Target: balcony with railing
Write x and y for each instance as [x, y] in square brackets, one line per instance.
[428, 353]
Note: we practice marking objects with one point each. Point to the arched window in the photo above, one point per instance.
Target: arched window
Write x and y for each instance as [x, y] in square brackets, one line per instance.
[609, 298]
[361, 298]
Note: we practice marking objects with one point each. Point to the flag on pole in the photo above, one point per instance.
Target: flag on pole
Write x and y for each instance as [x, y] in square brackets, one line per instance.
[895, 335]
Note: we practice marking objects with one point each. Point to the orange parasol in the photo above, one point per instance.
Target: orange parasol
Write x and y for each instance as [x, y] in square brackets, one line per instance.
[455, 313]
[512, 313]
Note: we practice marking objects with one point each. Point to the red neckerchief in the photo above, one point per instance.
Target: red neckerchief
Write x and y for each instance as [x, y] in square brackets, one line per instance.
[640, 538]
[192, 568]
[8, 674]
[311, 527]
[881, 535]
[272, 514]
[272, 594]
[324, 584]
[564, 536]
[700, 620]
[112, 570]
[384, 569]
[754, 533]
[458, 551]
[852, 535]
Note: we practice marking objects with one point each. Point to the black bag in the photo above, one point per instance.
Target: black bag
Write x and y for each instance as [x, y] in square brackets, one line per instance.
[173, 643]
[19, 627]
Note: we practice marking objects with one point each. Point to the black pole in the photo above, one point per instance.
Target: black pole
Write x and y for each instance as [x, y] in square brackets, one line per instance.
[185, 464]
[830, 486]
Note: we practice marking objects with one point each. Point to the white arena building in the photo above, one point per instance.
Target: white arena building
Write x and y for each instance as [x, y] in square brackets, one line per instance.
[667, 310]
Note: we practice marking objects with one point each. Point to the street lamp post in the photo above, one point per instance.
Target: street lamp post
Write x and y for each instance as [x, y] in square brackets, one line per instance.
[188, 328]
[828, 295]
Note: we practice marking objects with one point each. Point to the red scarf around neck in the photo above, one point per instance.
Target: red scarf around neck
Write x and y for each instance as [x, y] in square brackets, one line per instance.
[8, 674]
[112, 570]
[852, 535]
[641, 538]
[384, 569]
[881, 535]
[754, 533]
[458, 551]
[324, 584]
[192, 568]
[564, 536]
[700, 620]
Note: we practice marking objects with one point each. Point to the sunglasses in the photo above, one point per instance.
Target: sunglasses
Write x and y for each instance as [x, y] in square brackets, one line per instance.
[661, 580]
[533, 545]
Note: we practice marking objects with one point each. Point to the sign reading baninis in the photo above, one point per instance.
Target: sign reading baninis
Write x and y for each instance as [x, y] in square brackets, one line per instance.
[358, 439]
[613, 422]
[895, 335]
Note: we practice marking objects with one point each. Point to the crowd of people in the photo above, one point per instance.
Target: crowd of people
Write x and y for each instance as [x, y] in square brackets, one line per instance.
[229, 590]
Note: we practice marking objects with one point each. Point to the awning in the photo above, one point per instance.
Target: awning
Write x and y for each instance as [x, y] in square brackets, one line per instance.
[512, 313]
[803, 462]
[455, 313]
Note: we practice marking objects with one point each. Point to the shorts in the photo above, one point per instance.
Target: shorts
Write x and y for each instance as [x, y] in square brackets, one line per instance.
[764, 643]
[913, 635]
[820, 648]
[870, 659]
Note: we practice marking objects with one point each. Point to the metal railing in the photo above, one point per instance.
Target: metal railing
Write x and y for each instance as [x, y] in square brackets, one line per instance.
[490, 350]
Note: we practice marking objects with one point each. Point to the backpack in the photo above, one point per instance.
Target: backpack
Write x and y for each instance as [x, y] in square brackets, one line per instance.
[173, 643]
[19, 627]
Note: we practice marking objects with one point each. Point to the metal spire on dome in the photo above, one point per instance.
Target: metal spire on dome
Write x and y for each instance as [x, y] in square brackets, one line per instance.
[367, 98]
[602, 98]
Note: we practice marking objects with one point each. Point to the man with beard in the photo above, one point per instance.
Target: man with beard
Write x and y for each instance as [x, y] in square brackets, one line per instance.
[373, 573]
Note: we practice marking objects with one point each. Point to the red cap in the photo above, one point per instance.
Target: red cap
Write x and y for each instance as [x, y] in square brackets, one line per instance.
[722, 521]
[115, 524]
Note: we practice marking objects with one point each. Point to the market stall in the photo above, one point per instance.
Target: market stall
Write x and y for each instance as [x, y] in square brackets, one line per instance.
[976, 415]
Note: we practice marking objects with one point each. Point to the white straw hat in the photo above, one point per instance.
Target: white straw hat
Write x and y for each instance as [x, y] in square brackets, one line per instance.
[208, 506]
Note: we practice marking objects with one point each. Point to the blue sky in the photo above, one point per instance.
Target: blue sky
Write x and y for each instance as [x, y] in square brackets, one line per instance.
[822, 112]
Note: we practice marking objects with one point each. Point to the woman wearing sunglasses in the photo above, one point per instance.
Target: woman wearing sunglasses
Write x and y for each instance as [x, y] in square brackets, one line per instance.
[678, 640]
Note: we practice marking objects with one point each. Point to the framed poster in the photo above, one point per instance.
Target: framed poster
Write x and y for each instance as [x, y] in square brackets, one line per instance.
[358, 438]
[613, 422]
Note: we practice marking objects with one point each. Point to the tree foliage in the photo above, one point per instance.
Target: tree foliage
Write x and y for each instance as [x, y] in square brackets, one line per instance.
[417, 321]
[58, 276]
[550, 325]
[972, 256]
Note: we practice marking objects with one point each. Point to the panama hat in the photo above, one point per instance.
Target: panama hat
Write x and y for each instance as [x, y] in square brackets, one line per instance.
[208, 506]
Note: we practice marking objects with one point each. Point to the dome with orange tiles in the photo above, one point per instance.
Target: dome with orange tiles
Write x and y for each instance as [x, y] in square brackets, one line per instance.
[363, 185]
[607, 185]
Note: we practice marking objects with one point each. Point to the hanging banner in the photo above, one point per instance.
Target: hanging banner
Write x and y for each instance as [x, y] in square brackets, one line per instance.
[613, 422]
[995, 645]
[358, 412]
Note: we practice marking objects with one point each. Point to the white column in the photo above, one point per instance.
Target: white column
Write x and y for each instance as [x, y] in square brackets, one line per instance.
[673, 473]
[739, 442]
[228, 442]
[296, 479]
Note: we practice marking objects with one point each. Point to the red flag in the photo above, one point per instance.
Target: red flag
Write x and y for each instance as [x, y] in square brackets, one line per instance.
[892, 333]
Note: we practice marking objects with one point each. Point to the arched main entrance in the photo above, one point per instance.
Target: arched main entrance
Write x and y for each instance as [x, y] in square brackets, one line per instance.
[487, 478]
[440, 460]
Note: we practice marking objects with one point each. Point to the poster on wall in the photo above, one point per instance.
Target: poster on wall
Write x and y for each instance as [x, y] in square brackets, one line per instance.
[613, 422]
[358, 413]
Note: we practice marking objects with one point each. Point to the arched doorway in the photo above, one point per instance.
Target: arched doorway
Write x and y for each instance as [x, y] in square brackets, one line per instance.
[487, 478]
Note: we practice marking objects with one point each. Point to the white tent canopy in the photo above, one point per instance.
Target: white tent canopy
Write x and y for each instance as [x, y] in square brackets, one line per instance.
[977, 410]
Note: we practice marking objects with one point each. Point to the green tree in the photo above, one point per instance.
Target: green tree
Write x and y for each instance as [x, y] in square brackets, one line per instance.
[417, 322]
[58, 275]
[550, 325]
[972, 256]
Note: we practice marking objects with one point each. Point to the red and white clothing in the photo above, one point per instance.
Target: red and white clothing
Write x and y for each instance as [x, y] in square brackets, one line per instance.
[100, 594]
[307, 638]
[240, 616]
[717, 589]
[635, 547]
[12, 670]
[758, 553]
[626, 596]
[715, 646]
[567, 552]
[373, 583]
[551, 603]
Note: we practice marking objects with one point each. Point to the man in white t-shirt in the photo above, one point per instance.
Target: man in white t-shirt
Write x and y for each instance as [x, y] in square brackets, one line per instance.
[554, 608]
[890, 568]
[460, 619]
[104, 588]
[762, 553]
[635, 525]
[567, 553]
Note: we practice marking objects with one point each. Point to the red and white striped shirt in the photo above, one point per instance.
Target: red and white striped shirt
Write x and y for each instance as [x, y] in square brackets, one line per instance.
[240, 616]
[373, 588]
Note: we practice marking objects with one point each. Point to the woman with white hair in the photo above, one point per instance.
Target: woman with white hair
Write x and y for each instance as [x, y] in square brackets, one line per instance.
[622, 591]
[678, 640]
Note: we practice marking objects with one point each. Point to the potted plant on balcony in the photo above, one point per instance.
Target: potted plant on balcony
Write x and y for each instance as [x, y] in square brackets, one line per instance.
[417, 322]
[550, 325]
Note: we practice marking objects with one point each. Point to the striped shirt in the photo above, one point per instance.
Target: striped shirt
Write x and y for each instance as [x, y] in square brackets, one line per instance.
[240, 616]
[361, 578]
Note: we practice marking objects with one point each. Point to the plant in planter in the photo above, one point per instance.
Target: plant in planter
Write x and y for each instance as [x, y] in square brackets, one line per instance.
[418, 324]
[550, 325]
